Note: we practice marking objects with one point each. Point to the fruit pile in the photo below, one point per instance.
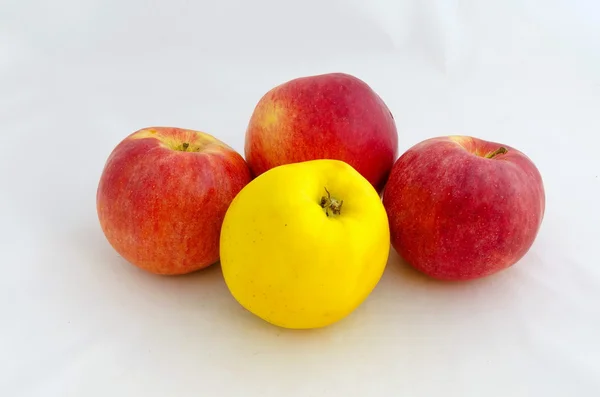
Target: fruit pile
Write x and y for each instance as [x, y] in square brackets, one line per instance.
[302, 225]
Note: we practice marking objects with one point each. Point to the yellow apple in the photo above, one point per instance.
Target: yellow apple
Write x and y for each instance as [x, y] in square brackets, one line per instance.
[304, 244]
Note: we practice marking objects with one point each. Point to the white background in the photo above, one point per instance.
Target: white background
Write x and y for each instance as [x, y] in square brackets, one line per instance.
[77, 76]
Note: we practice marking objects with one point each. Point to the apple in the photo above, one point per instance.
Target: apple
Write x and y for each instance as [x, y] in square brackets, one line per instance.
[462, 208]
[327, 116]
[162, 197]
[304, 244]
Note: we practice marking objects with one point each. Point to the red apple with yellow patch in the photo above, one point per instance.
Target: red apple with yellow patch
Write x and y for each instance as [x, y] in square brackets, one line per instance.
[328, 116]
[463, 208]
[163, 195]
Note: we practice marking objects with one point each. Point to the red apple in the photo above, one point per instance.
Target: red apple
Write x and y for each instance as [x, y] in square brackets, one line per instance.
[327, 116]
[163, 195]
[462, 208]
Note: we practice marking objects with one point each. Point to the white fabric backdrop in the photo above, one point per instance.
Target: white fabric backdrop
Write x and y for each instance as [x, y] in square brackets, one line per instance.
[76, 76]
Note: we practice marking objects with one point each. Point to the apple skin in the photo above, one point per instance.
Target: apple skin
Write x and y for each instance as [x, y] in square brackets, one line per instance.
[455, 214]
[328, 116]
[160, 207]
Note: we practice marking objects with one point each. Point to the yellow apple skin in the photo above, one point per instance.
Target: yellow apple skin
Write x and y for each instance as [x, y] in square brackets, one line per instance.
[292, 262]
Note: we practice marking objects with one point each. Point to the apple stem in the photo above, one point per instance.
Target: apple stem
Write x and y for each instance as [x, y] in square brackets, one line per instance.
[330, 203]
[185, 146]
[500, 150]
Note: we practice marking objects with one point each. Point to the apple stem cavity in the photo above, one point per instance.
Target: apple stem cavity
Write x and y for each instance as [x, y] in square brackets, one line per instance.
[500, 150]
[330, 203]
[185, 147]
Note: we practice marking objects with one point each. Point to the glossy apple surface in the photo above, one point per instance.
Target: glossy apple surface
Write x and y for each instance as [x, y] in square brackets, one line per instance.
[463, 208]
[162, 197]
[328, 116]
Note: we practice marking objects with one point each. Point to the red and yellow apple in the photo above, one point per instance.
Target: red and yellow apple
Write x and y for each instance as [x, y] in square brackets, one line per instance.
[328, 116]
[162, 197]
[462, 208]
